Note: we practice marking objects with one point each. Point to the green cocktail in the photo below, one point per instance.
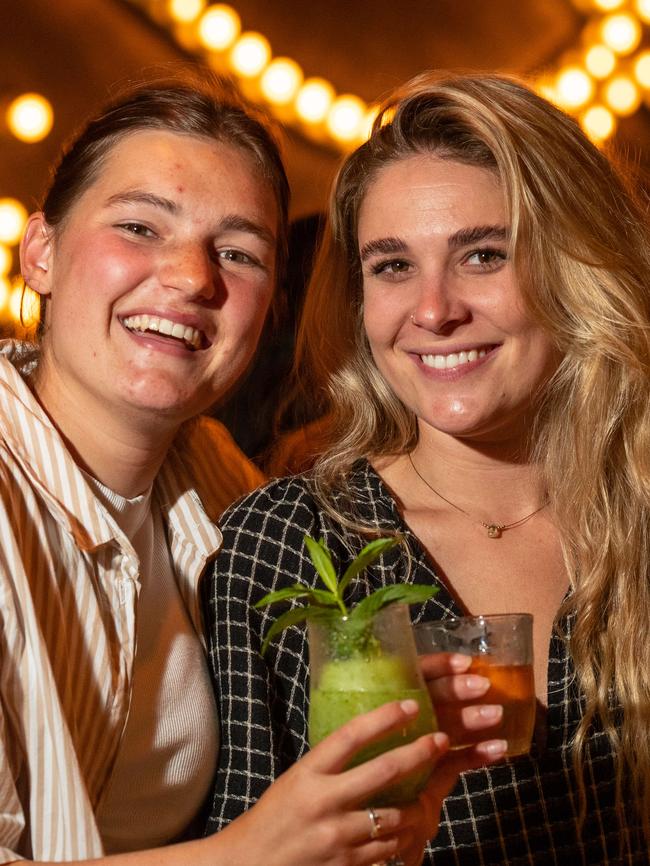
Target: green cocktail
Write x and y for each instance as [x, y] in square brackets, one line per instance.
[347, 687]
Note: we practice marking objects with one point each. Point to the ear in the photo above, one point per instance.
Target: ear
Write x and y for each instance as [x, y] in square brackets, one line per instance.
[36, 250]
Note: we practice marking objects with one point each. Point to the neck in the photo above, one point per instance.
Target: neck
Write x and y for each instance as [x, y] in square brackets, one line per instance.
[122, 451]
[494, 482]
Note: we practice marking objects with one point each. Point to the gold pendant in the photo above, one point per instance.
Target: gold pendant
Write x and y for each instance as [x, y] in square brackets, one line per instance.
[493, 530]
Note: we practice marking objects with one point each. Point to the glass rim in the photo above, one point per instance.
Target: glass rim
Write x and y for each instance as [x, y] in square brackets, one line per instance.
[477, 618]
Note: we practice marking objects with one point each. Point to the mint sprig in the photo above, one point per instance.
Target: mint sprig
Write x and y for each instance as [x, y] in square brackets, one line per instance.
[352, 628]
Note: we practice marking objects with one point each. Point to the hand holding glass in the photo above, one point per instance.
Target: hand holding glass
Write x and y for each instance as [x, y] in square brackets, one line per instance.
[345, 684]
[501, 646]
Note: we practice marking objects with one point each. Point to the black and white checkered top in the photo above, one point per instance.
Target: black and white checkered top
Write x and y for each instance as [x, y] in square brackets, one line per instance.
[522, 811]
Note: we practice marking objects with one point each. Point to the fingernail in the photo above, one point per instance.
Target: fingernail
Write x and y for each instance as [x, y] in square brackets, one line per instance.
[477, 684]
[495, 748]
[460, 662]
[410, 707]
[490, 712]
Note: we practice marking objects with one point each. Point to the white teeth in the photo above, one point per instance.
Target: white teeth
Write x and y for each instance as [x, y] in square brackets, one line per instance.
[143, 323]
[449, 362]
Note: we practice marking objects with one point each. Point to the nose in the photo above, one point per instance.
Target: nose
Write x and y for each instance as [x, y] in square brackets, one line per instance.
[440, 307]
[189, 268]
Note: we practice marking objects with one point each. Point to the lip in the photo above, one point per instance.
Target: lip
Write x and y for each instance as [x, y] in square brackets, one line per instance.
[462, 369]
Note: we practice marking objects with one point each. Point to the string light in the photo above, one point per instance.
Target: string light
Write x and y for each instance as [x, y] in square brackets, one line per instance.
[345, 117]
[598, 123]
[13, 217]
[219, 26]
[621, 32]
[185, 11]
[622, 95]
[314, 100]
[281, 80]
[573, 87]
[642, 69]
[30, 117]
[5, 290]
[608, 5]
[642, 8]
[600, 61]
[24, 305]
[250, 55]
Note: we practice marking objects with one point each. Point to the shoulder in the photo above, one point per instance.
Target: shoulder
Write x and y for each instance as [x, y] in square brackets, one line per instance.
[273, 508]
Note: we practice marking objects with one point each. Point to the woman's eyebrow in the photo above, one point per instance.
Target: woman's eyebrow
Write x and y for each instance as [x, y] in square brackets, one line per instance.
[137, 196]
[236, 222]
[383, 245]
[477, 234]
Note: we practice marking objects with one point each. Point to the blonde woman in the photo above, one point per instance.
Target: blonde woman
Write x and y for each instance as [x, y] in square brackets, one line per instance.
[478, 325]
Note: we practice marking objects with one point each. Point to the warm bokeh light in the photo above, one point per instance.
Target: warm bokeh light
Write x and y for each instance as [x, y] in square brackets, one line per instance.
[185, 10]
[281, 80]
[598, 122]
[642, 8]
[600, 61]
[608, 5]
[622, 95]
[642, 69]
[250, 54]
[24, 305]
[6, 260]
[573, 87]
[219, 26]
[345, 117]
[13, 217]
[314, 100]
[5, 291]
[30, 117]
[622, 32]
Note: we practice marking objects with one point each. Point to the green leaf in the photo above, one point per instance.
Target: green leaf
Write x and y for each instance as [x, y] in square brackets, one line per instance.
[368, 555]
[298, 590]
[324, 597]
[291, 617]
[322, 560]
[404, 593]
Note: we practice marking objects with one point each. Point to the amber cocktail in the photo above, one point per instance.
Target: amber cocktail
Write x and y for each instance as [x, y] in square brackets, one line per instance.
[501, 646]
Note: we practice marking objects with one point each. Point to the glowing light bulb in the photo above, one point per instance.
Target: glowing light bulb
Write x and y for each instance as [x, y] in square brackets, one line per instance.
[345, 118]
[314, 100]
[281, 80]
[219, 27]
[573, 87]
[643, 10]
[622, 95]
[598, 123]
[250, 54]
[185, 10]
[608, 5]
[30, 117]
[600, 61]
[13, 217]
[622, 32]
[642, 69]
[6, 260]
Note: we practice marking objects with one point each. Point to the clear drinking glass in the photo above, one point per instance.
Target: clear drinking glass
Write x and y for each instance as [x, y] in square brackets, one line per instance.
[351, 674]
[501, 646]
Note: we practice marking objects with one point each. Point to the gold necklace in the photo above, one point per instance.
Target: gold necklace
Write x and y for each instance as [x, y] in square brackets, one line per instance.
[494, 530]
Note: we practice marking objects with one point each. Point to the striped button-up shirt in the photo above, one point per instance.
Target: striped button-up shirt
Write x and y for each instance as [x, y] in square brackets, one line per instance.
[68, 606]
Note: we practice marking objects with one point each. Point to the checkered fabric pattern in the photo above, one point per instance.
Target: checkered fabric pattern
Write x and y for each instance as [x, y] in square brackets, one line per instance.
[523, 811]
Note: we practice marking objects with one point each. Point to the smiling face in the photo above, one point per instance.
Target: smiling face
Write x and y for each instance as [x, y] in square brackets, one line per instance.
[159, 279]
[443, 313]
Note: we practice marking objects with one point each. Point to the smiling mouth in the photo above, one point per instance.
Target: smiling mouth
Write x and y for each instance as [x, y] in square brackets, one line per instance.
[191, 337]
[453, 360]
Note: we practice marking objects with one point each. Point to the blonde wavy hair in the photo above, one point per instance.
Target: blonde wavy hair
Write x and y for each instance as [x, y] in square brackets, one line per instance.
[580, 246]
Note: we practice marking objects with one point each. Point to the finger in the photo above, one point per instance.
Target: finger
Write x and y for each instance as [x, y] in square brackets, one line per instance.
[358, 827]
[335, 752]
[434, 665]
[466, 724]
[361, 783]
[461, 687]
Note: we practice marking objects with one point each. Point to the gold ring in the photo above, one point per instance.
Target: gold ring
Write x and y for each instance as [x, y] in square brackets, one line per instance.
[375, 823]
